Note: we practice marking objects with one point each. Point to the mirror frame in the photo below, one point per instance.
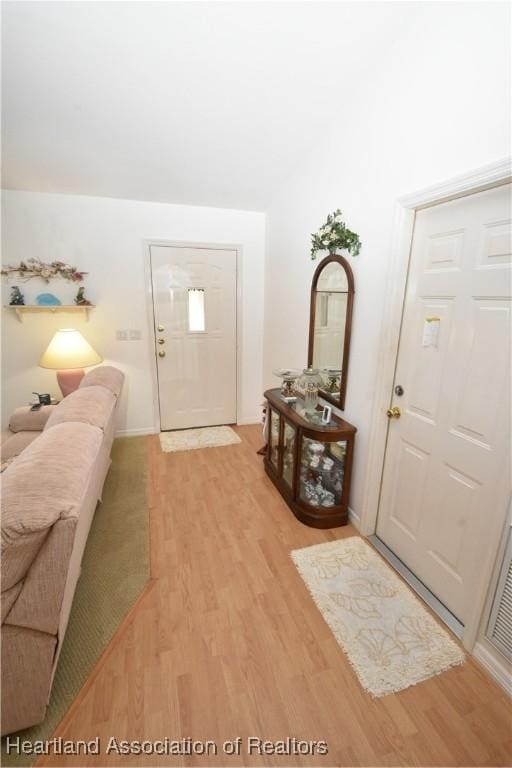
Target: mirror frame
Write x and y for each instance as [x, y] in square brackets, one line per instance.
[348, 326]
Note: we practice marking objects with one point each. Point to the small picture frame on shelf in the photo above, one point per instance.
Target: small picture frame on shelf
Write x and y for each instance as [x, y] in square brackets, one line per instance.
[326, 414]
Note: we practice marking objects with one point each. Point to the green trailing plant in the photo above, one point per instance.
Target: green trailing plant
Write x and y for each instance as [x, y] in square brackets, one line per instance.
[334, 234]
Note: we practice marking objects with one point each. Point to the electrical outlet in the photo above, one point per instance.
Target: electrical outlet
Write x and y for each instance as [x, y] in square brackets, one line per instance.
[121, 335]
[135, 334]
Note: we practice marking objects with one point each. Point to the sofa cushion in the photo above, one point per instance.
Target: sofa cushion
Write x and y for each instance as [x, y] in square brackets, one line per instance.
[104, 376]
[46, 482]
[92, 405]
[16, 443]
[25, 420]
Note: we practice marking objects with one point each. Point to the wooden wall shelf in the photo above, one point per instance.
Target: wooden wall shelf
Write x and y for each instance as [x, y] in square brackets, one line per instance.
[23, 309]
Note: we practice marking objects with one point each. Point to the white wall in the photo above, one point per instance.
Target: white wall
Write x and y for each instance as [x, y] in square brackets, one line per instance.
[438, 106]
[105, 238]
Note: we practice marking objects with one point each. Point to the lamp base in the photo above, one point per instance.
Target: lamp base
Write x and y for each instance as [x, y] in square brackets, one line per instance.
[69, 380]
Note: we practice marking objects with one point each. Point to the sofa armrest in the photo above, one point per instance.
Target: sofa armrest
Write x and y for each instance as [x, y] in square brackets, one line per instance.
[38, 603]
[25, 420]
[15, 444]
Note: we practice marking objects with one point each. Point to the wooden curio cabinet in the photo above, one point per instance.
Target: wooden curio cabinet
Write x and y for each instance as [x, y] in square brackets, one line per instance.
[309, 462]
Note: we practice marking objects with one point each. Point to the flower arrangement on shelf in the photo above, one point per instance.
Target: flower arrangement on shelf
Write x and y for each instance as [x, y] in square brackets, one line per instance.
[334, 234]
[26, 270]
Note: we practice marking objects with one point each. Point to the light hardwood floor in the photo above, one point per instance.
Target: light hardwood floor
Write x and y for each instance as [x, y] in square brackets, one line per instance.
[227, 642]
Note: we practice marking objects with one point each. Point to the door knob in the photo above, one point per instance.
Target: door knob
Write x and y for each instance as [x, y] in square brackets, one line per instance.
[160, 341]
[160, 328]
[161, 353]
[393, 413]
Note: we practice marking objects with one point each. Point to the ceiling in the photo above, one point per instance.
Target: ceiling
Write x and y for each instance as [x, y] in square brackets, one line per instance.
[200, 103]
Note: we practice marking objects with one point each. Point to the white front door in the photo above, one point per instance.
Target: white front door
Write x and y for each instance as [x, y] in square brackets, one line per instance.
[194, 300]
[446, 478]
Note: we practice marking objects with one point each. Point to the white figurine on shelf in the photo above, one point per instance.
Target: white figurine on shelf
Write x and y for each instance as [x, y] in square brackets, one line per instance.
[319, 488]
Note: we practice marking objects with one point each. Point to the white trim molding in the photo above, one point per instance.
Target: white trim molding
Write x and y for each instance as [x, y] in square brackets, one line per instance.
[488, 176]
[136, 432]
[354, 519]
[492, 175]
[490, 661]
[248, 421]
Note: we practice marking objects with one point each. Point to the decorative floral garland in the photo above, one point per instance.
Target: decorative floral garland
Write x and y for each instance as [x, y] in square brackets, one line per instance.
[36, 268]
[334, 234]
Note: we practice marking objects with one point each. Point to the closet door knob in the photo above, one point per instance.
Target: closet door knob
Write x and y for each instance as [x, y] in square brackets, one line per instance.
[161, 353]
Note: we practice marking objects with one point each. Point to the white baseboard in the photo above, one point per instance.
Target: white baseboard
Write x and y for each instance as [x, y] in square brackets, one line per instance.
[490, 661]
[354, 519]
[155, 430]
[135, 432]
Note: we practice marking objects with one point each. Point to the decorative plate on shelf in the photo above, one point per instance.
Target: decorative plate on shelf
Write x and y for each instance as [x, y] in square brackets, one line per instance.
[48, 300]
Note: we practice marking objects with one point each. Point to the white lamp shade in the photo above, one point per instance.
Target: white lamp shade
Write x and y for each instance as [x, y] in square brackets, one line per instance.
[68, 349]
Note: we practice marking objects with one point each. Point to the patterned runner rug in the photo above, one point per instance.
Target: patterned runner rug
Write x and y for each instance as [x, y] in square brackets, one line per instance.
[389, 636]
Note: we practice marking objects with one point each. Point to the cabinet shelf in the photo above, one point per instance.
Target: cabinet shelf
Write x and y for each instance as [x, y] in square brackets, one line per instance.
[23, 309]
[309, 462]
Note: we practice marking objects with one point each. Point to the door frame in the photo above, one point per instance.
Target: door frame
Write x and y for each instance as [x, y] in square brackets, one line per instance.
[151, 318]
[486, 177]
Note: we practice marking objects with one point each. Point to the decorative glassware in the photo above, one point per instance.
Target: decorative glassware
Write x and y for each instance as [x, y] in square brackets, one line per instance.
[274, 438]
[310, 382]
[289, 376]
[288, 453]
[321, 472]
[332, 375]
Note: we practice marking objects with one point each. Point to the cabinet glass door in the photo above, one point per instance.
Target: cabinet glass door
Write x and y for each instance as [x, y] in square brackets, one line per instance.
[288, 453]
[322, 469]
[274, 439]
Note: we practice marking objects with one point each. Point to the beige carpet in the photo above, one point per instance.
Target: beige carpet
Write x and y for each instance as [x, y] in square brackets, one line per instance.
[114, 571]
[190, 439]
[389, 636]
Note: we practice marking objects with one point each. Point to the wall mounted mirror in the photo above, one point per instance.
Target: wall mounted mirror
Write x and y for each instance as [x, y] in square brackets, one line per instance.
[330, 325]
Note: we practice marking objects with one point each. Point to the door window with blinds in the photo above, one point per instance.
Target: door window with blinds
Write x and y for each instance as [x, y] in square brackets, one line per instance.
[196, 312]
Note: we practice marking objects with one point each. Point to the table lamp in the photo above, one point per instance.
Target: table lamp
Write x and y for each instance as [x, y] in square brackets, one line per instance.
[69, 353]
